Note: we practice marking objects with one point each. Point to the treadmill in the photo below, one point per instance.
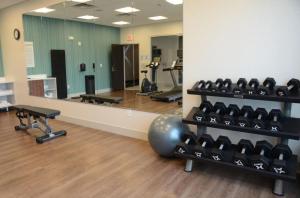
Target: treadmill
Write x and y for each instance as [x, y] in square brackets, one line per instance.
[176, 92]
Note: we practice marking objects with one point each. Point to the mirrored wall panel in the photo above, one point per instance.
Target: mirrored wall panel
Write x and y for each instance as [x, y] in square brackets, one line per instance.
[118, 53]
[1, 63]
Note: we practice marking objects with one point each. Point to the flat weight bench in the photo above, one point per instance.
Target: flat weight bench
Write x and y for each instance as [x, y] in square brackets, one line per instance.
[37, 118]
[100, 99]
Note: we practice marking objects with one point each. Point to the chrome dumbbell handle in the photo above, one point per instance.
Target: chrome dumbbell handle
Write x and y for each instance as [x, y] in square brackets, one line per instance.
[200, 85]
[221, 147]
[207, 85]
[246, 115]
[280, 156]
[187, 141]
[275, 118]
[243, 151]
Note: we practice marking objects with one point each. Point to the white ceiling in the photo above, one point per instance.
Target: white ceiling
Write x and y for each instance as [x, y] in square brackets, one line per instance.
[7, 3]
[105, 10]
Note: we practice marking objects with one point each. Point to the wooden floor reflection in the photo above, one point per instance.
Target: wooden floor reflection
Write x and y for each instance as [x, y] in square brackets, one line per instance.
[141, 103]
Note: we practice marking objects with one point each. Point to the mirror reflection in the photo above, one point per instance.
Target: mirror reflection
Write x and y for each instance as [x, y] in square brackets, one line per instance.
[119, 53]
[1, 63]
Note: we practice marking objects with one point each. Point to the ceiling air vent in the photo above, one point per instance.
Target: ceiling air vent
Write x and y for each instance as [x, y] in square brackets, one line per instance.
[84, 6]
[125, 15]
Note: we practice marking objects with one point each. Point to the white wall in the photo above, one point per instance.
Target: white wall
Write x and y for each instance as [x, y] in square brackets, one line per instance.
[169, 46]
[234, 38]
[125, 122]
[142, 35]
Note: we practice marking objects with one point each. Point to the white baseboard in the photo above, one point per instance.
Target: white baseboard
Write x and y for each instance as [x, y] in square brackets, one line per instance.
[106, 128]
[103, 90]
[99, 91]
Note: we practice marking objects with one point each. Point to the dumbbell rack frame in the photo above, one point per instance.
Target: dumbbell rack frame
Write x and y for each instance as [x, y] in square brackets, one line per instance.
[290, 127]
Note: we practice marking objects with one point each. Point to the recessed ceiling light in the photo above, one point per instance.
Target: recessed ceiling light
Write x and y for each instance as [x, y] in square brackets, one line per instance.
[87, 17]
[175, 2]
[127, 10]
[157, 18]
[81, 1]
[121, 23]
[44, 10]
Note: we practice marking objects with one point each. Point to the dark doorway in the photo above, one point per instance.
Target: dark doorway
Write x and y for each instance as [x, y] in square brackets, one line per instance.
[58, 63]
[125, 66]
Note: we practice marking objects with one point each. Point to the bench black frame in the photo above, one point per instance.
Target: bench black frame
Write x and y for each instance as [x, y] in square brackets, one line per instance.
[91, 98]
[38, 120]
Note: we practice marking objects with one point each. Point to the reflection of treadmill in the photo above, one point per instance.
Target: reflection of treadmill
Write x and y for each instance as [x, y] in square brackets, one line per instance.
[176, 92]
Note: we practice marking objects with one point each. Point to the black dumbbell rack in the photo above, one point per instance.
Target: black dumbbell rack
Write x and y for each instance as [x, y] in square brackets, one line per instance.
[290, 130]
[230, 94]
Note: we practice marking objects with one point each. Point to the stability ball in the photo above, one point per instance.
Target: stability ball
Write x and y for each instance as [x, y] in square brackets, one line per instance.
[165, 132]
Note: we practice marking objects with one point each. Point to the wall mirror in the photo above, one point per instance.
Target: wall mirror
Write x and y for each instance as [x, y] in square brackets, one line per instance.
[1, 63]
[118, 53]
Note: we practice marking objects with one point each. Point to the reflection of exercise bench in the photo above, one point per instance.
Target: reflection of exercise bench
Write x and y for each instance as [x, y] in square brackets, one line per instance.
[37, 118]
[99, 99]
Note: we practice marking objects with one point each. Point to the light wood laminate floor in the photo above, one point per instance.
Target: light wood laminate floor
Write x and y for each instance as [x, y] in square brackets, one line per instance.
[91, 163]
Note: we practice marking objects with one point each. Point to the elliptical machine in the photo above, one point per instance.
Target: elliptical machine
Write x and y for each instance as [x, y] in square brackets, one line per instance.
[149, 87]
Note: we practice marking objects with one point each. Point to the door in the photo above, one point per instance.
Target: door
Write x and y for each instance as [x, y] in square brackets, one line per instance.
[131, 65]
[136, 59]
[117, 67]
[58, 62]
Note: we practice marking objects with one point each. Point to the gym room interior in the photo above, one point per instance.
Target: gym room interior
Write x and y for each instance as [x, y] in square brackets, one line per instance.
[139, 98]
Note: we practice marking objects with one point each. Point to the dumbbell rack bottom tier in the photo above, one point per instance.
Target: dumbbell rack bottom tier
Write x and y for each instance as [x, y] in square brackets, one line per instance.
[289, 177]
[229, 94]
[289, 126]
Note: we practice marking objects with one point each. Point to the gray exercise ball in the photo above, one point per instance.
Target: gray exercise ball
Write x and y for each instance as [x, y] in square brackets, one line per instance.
[165, 132]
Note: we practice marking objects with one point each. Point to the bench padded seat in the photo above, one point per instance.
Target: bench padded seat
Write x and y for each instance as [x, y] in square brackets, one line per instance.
[38, 111]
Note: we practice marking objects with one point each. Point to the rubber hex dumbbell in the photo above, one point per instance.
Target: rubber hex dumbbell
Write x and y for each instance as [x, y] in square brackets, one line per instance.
[281, 153]
[241, 85]
[201, 84]
[275, 116]
[245, 148]
[186, 147]
[223, 143]
[201, 149]
[292, 88]
[253, 85]
[232, 112]
[208, 85]
[267, 87]
[260, 116]
[226, 85]
[245, 117]
[204, 110]
[218, 85]
[261, 159]
[218, 111]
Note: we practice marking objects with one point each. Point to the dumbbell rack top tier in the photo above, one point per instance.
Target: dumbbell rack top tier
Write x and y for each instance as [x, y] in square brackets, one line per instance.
[230, 94]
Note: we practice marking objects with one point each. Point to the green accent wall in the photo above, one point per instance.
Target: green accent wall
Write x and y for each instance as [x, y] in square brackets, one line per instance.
[96, 40]
[1, 64]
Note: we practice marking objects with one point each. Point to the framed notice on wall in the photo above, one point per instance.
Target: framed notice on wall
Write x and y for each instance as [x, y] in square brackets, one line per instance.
[29, 54]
